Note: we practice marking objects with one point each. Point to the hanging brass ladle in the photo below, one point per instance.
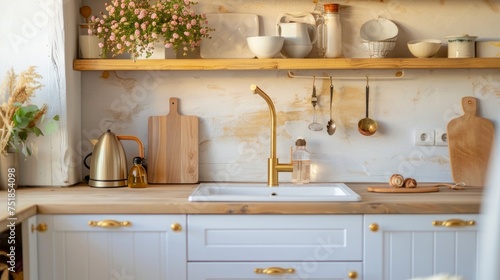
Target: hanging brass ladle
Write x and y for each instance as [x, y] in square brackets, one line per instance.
[367, 126]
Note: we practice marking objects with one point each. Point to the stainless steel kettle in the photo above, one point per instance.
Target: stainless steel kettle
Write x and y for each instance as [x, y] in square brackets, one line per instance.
[108, 166]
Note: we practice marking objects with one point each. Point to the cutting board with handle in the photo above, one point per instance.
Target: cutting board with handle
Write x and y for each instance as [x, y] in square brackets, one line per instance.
[470, 140]
[173, 147]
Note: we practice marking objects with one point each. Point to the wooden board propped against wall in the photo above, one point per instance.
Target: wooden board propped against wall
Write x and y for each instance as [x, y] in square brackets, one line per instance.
[173, 147]
[470, 141]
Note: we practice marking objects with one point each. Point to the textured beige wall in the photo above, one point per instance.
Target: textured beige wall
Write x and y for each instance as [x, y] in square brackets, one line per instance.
[234, 122]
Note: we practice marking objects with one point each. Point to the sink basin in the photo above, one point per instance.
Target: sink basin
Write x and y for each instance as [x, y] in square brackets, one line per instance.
[206, 192]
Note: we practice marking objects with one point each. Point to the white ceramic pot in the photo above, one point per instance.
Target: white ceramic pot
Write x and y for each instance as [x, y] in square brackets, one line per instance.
[89, 46]
[489, 48]
[461, 46]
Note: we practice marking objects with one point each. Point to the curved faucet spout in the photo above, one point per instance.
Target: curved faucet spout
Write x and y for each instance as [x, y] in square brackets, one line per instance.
[274, 167]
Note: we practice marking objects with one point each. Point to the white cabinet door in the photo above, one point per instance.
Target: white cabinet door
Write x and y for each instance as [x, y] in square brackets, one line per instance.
[399, 247]
[274, 270]
[112, 247]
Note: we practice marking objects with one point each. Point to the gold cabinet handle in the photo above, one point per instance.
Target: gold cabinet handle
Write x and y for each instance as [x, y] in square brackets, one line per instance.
[176, 227]
[109, 224]
[40, 227]
[373, 227]
[353, 275]
[454, 223]
[274, 270]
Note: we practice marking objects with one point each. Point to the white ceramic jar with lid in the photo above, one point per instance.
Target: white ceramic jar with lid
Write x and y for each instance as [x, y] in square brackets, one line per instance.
[461, 46]
[88, 41]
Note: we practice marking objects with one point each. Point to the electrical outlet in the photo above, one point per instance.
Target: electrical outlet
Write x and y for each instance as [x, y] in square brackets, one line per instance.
[441, 138]
[424, 137]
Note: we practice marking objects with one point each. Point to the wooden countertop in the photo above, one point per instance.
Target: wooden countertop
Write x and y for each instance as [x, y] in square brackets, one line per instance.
[163, 199]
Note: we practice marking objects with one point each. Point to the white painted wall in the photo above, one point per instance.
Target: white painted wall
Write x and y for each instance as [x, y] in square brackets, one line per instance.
[35, 33]
[234, 122]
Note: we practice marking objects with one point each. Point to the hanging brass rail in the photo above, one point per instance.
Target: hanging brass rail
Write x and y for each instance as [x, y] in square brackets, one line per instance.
[397, 75]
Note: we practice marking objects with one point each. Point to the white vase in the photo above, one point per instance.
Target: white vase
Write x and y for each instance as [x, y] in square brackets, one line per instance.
[160, 52]
[9, 165]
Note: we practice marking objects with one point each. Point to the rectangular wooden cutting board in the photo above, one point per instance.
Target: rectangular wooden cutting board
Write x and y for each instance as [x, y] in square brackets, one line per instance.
[470, 141]
[173, 147]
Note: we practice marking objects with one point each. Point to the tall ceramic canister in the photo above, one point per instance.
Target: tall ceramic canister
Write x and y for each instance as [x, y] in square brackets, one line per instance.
[88, 41]
[332, 31]
[461, 46]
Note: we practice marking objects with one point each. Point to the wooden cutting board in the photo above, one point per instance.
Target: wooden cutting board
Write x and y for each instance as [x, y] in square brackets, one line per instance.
[470, 140]
[173, 147]
[389, 189]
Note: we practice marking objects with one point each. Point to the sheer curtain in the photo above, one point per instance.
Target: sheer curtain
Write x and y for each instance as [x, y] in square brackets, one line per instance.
[489, 227]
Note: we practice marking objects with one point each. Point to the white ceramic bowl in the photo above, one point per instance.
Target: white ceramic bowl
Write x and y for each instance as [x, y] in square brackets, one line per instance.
[296, 51]
[378, 30]
[424, 48]
[489, 48]
[265, 46]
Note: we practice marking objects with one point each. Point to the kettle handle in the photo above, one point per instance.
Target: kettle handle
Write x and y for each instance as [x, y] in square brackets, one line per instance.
[85, 161]
[139, 142]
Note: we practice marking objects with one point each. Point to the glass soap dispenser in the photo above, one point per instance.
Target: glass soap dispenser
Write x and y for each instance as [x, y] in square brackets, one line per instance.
[137, 177]
[301, 161]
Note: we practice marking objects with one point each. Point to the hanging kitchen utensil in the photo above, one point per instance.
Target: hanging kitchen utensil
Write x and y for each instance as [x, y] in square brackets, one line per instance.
[330, 127]
[367, 126]
[173, 147]
[470, 140]
[86, 12]
[314, 126]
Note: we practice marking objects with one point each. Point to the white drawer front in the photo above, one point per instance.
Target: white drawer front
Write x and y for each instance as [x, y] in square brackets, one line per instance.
[301, 270]
[136, 222]
[275, 237]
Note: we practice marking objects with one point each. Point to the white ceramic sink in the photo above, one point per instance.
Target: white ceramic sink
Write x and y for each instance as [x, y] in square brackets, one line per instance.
[228, 192]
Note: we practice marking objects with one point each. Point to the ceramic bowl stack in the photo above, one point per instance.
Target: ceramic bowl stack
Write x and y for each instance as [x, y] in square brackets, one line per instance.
[379, 36]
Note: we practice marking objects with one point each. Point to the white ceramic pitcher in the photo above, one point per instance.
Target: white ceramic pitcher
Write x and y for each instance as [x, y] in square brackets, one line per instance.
[299, 38]
[297, 33]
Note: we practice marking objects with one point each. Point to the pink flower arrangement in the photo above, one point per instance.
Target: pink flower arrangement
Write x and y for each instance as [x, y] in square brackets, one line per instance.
[179, 25]
[134, 26]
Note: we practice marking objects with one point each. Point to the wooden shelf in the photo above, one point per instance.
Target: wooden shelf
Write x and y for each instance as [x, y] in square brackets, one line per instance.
[286, 64]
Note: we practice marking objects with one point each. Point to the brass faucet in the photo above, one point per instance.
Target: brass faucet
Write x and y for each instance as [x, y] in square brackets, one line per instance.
[273, 165]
